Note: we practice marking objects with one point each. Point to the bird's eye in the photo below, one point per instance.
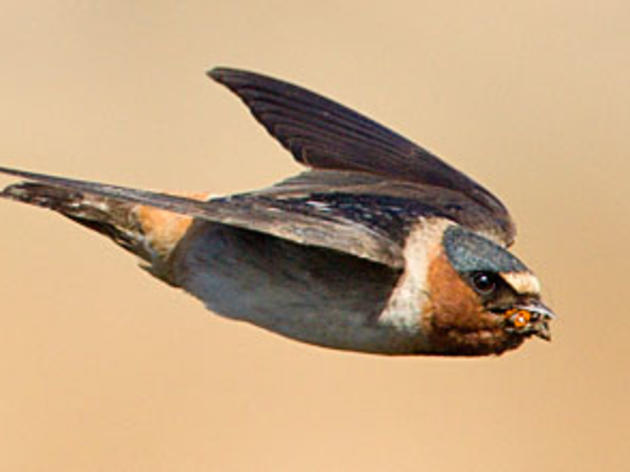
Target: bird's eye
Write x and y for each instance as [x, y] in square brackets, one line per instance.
[484, 282]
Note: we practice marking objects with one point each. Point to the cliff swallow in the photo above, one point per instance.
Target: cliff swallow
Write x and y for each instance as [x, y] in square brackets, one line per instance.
[380, 247]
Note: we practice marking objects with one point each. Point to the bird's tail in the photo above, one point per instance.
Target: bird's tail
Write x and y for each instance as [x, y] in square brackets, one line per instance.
[147, 232]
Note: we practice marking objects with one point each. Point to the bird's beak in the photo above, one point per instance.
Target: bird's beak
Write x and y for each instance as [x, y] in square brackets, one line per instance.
[532, 318]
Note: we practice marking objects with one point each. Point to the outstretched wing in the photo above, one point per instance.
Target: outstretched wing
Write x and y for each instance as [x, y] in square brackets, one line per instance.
[368, 188]
[323, 134]
[295, 221]
[352, 212]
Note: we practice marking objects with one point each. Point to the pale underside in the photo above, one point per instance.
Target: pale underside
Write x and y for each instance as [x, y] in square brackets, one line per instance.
[312, 294]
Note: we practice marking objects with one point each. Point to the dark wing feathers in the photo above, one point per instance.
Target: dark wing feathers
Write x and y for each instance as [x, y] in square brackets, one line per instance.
[340, 189]
[323, 134]
[369, 186]
[303, 224]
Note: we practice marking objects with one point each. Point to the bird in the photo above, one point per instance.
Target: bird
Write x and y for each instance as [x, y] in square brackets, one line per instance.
[379, 246]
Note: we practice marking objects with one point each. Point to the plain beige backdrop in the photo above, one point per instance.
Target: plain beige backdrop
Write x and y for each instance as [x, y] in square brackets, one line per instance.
[104, 369]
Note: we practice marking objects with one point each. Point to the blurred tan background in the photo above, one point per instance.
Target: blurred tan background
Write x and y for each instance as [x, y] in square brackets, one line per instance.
[103, 368]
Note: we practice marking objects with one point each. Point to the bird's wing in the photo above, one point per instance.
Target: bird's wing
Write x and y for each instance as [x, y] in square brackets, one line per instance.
[323, 134]
[352, 212]
[369, 185]
[304, 225]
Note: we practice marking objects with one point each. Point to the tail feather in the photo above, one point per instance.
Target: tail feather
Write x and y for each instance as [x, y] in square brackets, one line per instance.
[148, 232]
[112, 218]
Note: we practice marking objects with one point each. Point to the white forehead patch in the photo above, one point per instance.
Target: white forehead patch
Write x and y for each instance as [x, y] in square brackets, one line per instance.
[522, 282]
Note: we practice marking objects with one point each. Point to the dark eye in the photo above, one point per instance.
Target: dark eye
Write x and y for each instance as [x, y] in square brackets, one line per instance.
[484, 282]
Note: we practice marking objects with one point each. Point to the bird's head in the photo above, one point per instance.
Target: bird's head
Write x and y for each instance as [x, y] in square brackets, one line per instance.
[482, 299]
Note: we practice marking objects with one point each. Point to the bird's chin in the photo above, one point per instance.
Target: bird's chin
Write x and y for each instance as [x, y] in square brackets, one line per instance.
[486, 341]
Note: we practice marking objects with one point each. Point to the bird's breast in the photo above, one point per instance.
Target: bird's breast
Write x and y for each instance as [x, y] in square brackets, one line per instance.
[312, 294]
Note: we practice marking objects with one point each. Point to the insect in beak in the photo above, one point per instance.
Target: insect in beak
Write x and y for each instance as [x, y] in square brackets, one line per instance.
[532, 318]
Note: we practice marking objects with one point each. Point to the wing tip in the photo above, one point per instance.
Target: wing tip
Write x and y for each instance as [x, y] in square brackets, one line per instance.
[237, 79]
[229, 76]
[217, 73]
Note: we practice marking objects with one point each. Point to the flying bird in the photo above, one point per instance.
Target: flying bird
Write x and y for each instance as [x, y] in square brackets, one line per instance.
[379, 247]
